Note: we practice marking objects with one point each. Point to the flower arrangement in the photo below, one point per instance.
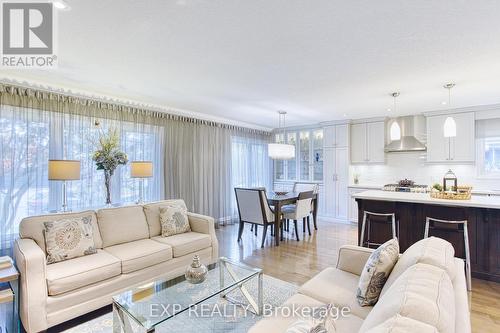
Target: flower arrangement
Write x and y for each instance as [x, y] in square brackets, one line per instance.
[108, 157]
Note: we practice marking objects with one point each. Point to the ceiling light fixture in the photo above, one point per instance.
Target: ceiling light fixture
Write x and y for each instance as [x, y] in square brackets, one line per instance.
[281, 150]
[450, 126]
[61, 4]
[395, 131]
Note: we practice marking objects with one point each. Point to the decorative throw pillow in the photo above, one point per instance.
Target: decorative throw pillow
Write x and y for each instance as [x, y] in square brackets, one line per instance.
[173, 220]
[69, 238]
[376, 271]
[320, 321]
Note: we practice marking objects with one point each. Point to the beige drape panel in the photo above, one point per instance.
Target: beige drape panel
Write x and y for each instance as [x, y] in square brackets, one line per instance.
[197, 153]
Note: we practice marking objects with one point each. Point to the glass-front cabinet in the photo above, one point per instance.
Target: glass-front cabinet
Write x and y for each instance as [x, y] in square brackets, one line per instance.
[308, 162]
[317, 153]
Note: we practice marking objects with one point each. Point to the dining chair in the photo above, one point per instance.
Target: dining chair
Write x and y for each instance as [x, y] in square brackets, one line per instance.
[304, 187]
[300, 210]
[254, 209]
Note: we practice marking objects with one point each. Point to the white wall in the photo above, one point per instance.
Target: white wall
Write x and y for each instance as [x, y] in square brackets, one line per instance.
[412, 166]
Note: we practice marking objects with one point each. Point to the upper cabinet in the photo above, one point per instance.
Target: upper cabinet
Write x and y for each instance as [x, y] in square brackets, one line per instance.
[367, 142]
[336, 136]
[460, 148]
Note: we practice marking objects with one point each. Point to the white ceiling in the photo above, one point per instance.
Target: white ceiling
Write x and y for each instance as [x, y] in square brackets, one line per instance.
[243, 60]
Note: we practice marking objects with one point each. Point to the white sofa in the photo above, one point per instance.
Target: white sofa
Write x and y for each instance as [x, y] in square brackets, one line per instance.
[130, 252]
[425, 292]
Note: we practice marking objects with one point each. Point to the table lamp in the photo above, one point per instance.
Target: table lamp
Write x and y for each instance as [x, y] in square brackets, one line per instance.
[141, 170]
[64, 170]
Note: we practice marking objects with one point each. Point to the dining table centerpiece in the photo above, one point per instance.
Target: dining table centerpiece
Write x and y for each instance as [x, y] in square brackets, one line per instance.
[108, 157]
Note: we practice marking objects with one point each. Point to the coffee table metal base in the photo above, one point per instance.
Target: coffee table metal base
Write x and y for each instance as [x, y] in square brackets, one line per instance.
[257, 306]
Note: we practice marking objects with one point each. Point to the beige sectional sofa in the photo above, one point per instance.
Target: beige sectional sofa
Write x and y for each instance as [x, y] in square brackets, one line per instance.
[425, 292]
[131, 251]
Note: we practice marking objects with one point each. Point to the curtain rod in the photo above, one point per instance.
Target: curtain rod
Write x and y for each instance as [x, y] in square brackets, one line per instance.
[125, 105]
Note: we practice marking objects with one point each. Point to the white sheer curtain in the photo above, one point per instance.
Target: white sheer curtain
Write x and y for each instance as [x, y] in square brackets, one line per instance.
[195, 160]
[250, 165]
[30, 137]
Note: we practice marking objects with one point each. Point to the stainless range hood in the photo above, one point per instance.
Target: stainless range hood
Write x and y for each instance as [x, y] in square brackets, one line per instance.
[410, 127]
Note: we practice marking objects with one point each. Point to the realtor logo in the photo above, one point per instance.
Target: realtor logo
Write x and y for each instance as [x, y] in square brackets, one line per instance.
[28, 34]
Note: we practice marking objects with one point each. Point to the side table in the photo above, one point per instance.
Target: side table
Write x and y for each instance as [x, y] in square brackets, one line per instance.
[10, 276]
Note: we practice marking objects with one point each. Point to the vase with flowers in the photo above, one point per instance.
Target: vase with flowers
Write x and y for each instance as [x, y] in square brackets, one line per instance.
[108, 157]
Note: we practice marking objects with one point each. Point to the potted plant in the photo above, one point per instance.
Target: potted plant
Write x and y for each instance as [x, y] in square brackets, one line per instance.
[108, 157]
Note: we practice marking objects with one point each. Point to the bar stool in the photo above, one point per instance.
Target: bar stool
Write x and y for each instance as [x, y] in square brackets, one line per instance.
[366, 217]
[429, 220]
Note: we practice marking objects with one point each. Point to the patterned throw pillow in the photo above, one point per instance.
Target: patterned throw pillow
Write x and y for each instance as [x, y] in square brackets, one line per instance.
[69, 238]
[376, 271]
[173, 220]
[320, 321]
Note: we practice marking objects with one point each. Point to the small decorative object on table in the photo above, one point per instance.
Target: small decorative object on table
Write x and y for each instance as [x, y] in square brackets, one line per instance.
[196, 272]
[108, 156]
[281, 193]
[356, 178]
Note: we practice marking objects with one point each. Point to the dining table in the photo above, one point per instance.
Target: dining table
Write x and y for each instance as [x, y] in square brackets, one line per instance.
[278, 200]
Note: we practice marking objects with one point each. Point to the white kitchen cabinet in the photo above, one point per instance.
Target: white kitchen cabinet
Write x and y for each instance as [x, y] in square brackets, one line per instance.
[329, 181]
[329, 136]
[342, 135]
[451, 150]
[335, 182]
[341, 182]
[336, 135]
[358, 143]
[367, 142]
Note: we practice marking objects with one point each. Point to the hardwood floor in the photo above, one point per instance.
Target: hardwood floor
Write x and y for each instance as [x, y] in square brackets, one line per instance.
[297, 262]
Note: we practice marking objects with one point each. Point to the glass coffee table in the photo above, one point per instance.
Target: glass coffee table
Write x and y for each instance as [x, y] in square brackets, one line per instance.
[144, 308]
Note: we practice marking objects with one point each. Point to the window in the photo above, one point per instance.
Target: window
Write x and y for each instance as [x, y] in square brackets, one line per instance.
[308, 162]
[250, 165]
[488, 147]
[30, 137]
[292, 164]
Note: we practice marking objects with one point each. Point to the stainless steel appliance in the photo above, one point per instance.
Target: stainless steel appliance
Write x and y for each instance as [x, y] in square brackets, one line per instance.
[406, 185]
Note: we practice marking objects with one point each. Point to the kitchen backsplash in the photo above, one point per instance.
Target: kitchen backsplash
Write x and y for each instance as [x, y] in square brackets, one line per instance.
[412, 166]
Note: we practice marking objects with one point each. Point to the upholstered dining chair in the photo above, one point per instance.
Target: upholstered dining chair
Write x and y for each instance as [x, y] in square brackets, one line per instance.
[304, 187]
[254, 209]
[301, 210]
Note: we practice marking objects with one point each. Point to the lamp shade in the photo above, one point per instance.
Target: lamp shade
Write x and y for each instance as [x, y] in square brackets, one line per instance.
[450, 128]
[64, 170]
[395, 131]
[281, 151]
[141, 169]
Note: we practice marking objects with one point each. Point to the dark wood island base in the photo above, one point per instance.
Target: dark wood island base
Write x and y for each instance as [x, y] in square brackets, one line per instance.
[483, 226]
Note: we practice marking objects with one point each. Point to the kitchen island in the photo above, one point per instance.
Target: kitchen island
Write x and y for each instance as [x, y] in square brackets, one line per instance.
[481, 212]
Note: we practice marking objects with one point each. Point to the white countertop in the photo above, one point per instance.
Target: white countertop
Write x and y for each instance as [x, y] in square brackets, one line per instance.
[367, 186]
[425, 198]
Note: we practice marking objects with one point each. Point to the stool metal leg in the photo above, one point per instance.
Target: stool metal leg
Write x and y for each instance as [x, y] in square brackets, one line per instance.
[393, 220]
[362, 239]
[467, 257]
[426, 232]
